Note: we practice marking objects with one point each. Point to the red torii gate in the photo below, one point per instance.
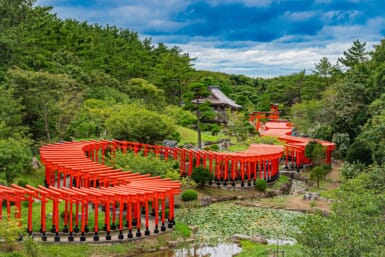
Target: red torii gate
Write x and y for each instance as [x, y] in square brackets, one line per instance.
[295, 147]
[91, 182]
[226, 167]
[282, 129]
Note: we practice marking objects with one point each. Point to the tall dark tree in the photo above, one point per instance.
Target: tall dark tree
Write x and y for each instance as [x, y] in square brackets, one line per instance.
[196, 91]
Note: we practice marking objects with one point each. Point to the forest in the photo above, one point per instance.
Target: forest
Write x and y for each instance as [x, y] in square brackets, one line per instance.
[63, 80]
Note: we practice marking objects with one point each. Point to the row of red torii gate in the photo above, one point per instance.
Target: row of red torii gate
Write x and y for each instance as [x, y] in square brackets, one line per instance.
[78, 180]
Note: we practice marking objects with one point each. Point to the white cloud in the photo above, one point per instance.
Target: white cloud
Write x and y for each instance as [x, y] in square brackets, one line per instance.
[288, 54]
[248, 3]
[263, 60]
[338, 16]
[299, 16]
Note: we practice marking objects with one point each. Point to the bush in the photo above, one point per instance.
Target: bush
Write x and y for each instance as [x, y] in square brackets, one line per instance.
[189, 195]
[62, 214]
[214, 148]
[182, 117]
[201, 176]
[22, 183]
[260, 185]
[215, 129]
[359, 152]
[146, 164]
[350, 170]
[134, 123]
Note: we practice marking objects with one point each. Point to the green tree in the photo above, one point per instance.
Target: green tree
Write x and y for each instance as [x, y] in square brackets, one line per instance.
[238, 126]
[134, 123]
[350, 170]
[357, 54]
[317, 174]
[314, 235]
[146, 93]
[359, 151]
[173, 72]
[356, 224]
[11, 115]
[15, 158]
[373, 136]
[315, 152]
[196, 91]
[346, 106]
[182, 117]
[324, 69]
[342, 141]
[89, 120]
[306, 114]
[52, 99]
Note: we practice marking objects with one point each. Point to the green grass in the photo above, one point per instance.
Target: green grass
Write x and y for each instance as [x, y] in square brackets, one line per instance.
[79, 250]
[278, 200]
[330, 194]
[33, 178]
[36, 211]
[281, 180]
[189, 136]
[250, 249]
[183, 229]
[238, 147]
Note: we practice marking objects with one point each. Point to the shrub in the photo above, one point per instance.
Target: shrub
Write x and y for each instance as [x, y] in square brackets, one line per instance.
[62, 214]
[350, 170]
[182, 117]
[22, 183]
[134, 123]
[189, 195]
[215, 129]
[201, 176]
[359, 151]
[10, 232]
[260, 185]
[146, 164]
[214, 147]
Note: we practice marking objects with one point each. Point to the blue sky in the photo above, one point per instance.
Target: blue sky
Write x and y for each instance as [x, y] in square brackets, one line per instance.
[258, 38]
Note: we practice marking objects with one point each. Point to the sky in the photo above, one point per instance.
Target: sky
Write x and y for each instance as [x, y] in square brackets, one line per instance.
[257, 38]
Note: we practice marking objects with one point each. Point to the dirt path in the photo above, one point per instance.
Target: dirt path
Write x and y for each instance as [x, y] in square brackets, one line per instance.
[334, 174]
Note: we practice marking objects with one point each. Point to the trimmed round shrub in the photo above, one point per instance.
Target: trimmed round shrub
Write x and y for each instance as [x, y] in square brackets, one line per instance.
[214, 147]
[260, 185]
[22, 183]
[189, 195]
[62, 214]
[201, 176]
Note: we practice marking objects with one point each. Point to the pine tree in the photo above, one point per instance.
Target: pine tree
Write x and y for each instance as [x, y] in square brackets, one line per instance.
[324, 69]
[357, 54]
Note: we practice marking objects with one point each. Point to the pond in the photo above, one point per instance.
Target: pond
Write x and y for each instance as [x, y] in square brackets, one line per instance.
[220, 221]
[219, 250]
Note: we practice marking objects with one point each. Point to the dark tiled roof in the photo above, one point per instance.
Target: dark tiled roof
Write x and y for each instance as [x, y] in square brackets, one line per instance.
[217, 97]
